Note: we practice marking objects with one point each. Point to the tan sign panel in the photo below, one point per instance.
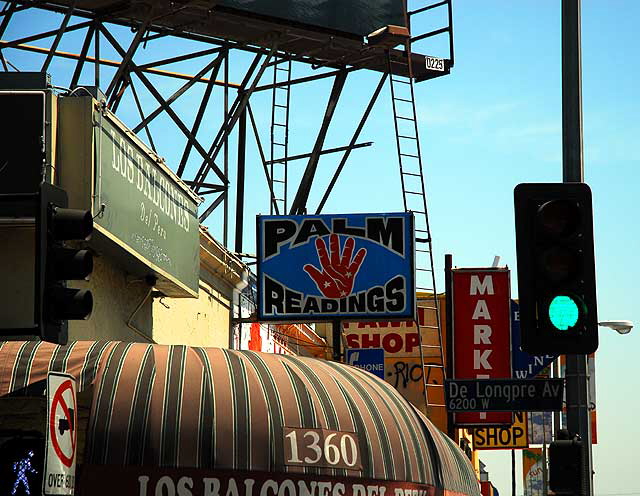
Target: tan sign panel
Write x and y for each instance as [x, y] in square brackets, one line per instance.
[509, 437]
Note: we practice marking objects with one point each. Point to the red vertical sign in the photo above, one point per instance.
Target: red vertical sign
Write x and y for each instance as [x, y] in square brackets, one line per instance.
[481, 333]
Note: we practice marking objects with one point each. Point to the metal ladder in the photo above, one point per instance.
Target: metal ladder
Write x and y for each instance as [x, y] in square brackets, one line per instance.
[414, 198]
[280, 134]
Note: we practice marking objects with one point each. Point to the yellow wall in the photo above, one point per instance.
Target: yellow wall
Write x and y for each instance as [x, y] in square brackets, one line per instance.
[126, 309]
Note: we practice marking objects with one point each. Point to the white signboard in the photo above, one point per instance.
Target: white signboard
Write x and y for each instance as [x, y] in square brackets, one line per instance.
[60, 454]
[435, 63]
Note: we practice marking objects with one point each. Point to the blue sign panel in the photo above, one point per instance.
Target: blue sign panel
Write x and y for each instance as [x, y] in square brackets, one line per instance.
[350, 267]
[525, 366]
[369, 359]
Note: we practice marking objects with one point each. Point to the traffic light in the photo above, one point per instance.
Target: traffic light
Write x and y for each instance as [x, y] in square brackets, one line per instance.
[556, 268]
[57, 263]
[565, 466]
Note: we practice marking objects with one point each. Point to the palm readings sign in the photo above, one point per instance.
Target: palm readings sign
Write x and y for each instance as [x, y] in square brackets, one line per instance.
[337, 271]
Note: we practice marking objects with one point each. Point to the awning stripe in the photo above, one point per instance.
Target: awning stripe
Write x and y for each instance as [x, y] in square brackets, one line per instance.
[386, 467]
[225, 412]
[274, 410]
[242, 433]
[324, 410]
[206, 432]
[22, 369]
[174, 382]
[139, 410]
[104, 403]
[416, 449]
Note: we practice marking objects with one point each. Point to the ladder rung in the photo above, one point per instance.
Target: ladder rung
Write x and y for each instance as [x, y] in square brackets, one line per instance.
[421, 230]
[280, 144]
[433, 365]
[407, 137]
[423, 240]
[403, 100]
[405, 118]
[278, 105]
[409, 155]
[278, 181]
[413, 192]
[412, 174]
[423, 270]
[281, 125]
[396, 80]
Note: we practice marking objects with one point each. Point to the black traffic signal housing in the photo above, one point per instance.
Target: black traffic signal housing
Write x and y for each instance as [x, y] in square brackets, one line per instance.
[57, 263]
[556, 268]
[565, 466]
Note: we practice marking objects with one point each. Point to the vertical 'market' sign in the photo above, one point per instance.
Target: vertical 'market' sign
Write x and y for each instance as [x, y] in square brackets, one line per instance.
[481, 333]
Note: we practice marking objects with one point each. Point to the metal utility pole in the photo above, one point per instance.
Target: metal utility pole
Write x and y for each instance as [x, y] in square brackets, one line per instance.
[573, 171]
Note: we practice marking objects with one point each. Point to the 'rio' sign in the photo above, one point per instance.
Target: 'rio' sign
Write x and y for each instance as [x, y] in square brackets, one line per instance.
[325, 267]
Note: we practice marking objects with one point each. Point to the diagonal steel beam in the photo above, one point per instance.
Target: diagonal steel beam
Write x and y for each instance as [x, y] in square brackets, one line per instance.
[201, 174]
[352, 144]
[56, 41]
[46, 34]
[213, 206]
[146, 128]
[180, 58]
[7, 13]
[127, 58]
[151, 88]
[177, 94]
[198, 120]
[83, 56]
[264, 161]
[292, 158]
[239, 106]
[299, 205]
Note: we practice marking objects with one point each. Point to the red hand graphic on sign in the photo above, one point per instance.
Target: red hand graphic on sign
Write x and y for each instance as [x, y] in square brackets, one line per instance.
[338, 273]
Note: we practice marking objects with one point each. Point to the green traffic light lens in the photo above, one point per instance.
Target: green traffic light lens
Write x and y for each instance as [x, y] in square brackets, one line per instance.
[563, 312]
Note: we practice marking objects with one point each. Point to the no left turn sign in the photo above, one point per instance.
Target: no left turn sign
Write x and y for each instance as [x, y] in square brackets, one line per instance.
[60, 455]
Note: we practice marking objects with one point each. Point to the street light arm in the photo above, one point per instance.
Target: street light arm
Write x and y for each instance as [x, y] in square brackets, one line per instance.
[620, 326]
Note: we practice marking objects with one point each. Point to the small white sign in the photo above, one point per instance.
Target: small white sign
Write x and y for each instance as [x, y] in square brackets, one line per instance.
[435, 63]
[62, 436]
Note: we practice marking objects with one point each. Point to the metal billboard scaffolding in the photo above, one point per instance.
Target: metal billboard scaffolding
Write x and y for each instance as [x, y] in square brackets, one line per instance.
[262, 41]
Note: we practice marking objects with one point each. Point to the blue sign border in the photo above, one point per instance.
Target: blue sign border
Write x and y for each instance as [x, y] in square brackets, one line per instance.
[282, 264]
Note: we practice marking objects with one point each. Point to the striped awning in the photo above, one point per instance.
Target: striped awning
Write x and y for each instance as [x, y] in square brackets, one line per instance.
[228, 410]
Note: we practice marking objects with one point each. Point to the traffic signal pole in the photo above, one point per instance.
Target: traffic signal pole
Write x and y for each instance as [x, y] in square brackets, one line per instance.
[577, 386]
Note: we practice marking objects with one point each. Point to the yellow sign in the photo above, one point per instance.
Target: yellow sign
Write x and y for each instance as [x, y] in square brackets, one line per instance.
[511, 437]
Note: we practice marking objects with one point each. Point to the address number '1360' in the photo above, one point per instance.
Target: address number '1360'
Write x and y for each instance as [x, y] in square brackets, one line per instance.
[321, 448]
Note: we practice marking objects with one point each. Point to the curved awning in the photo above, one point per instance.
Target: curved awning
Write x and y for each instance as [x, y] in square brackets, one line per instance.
[227, 410]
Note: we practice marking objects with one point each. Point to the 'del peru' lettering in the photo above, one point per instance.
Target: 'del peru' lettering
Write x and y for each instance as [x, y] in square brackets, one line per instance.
[151, 183]
[386, 231]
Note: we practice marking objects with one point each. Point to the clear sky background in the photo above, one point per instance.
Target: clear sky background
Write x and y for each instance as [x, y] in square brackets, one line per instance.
[493, 123]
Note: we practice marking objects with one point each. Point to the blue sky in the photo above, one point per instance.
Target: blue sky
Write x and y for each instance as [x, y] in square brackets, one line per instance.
[491, 124]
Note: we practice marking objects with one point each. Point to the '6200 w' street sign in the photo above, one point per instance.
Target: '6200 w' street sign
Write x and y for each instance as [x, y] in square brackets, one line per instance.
[321, 267]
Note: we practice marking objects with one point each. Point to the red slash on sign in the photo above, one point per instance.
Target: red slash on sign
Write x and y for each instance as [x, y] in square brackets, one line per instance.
[66, 421]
